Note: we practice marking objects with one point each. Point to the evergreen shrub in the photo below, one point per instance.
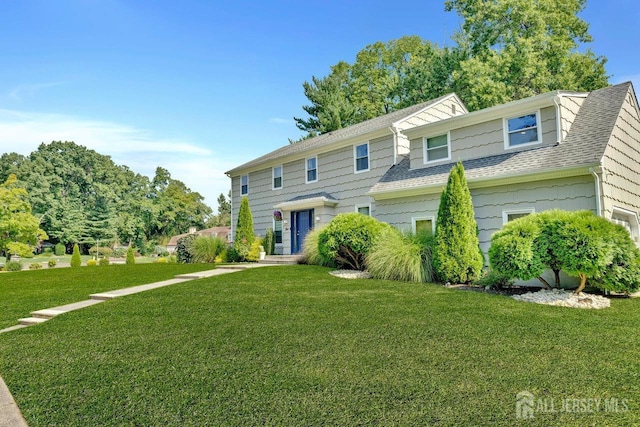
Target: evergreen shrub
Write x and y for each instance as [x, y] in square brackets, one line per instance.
[104, 261]
[76, 260]
[269, 242]
[245, 234]
[60, 249]
[52, 263]
[92, 263]
[13, 266]
[184, 248]
[131, 258]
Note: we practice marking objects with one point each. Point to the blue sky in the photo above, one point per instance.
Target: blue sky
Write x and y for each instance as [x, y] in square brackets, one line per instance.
[199, 87]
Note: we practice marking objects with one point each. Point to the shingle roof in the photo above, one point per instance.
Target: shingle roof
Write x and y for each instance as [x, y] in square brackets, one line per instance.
[313, 196]
[583, 146]
[362, 128]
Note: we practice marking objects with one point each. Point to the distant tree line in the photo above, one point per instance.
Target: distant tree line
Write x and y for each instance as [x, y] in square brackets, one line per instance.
[81, 196]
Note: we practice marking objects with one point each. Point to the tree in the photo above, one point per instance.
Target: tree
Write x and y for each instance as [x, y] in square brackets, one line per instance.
[223, 218]
[131, 259]
[245, 234]
[513, 49]
[19, 228]
[76, 261]
[457, 257]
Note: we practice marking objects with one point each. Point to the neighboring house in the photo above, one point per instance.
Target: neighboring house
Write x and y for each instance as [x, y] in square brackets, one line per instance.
[222, 232]
[564, 150]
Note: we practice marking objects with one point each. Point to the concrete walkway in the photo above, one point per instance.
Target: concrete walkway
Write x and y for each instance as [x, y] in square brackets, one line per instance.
[10, 415]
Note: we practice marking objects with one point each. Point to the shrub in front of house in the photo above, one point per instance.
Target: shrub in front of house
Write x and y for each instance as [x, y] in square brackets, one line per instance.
[184, 248]
[206, 248]
[401, 256]
[13, 266]
[60, 249]
[254, 251]
[269, 242]
[244, 236]
[76, 260]
[311, 252]
[347, 239]
[457, 257]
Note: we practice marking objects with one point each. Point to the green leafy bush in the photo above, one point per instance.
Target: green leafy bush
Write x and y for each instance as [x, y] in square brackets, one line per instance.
[22, 250]
[184, 248]
[311, 251]
[104, 261]
[162, 260]
[12, 266]
[35, 266]
[172, 259]
[131, 257]
[92, 263]
[76, 260]
[254, 251]
[47, 252]
[457, 257]
[401, 256]
[269, 242]
[232, 254]
[495, 280]
[60, 249]
[100, 251]
[52, 263]
[206, 249]
[347, 239]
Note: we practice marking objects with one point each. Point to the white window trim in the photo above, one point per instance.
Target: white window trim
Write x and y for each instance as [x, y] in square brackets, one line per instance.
[364, 205]
[273, 221]
[505, 130]
[634, 222]
[423, 218]
[424, 149]
[241, 193]
[306, 169]
[506, 213]
[355, 162]
[273, 178]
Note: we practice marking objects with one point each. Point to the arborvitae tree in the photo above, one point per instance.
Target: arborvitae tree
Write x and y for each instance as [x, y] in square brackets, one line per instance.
[76, 261]
[457, 257]
[131, 259]
[244, 229]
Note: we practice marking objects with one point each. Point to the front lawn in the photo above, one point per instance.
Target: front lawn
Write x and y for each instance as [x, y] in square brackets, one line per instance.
[26, 291]
[293, 345]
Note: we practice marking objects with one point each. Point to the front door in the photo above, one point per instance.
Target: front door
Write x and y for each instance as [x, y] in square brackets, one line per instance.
[302, 222]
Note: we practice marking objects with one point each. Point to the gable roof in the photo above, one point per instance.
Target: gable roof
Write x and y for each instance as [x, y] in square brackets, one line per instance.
[583, 147]
[326, 139]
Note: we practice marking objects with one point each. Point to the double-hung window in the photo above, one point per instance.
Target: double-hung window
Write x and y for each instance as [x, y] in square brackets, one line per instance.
[312, 169]
[277, 177]
[522, 130]
[244, 185]
[436, 148]
[361, 155]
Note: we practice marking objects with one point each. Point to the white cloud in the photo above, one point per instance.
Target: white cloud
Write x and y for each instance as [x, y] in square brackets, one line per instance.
[199, 168]
[20, 92]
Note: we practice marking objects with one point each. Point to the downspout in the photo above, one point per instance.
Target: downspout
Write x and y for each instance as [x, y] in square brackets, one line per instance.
[232, 236]
[598, 192]
[558, 100]
[394, 131]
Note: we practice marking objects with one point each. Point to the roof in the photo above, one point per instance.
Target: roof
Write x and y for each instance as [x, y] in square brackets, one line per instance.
[222, 232]
[362, 128]
[584, 146]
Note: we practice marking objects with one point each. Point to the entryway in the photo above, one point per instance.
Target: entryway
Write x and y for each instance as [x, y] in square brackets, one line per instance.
[301, 224]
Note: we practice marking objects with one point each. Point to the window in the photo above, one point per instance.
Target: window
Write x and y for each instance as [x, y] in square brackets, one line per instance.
[627, 219]
[515, 214]
[312, 169]
[426, 223]
[277, 177]
[277, 231]
[361, 154]
[436, 148]
[522, 130]
[244, 185]
[364, 210]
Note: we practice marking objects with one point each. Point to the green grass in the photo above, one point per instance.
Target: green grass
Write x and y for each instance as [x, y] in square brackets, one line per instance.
[30, 290]
[295, 346]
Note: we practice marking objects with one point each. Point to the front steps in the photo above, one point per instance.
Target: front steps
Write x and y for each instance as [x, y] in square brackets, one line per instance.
[281, 259]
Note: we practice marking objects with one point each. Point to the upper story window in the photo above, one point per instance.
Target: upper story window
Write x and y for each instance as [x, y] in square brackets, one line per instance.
[522, 130]
[277, 177]
[436, 148]
[312, 169]
[244, 185]
[361, 155]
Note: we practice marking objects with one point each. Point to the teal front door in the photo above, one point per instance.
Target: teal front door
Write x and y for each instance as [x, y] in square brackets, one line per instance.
[302, 222]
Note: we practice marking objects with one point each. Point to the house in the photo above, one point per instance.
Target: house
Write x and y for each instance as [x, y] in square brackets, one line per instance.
[565, 150]
[221, 232]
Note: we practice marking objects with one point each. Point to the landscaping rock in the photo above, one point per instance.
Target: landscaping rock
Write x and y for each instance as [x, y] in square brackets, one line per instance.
[351, 274]
[563, 298]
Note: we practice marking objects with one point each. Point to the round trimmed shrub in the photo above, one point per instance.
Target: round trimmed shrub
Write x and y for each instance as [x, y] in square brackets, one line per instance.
[104, 261]
[60, 249]
[13, 266]
[348, 238]
[52, 263]
[92, 263]
[162, 261]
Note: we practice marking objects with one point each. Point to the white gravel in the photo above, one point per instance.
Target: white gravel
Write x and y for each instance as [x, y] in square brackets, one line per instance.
[563, 298]
[351, 274]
